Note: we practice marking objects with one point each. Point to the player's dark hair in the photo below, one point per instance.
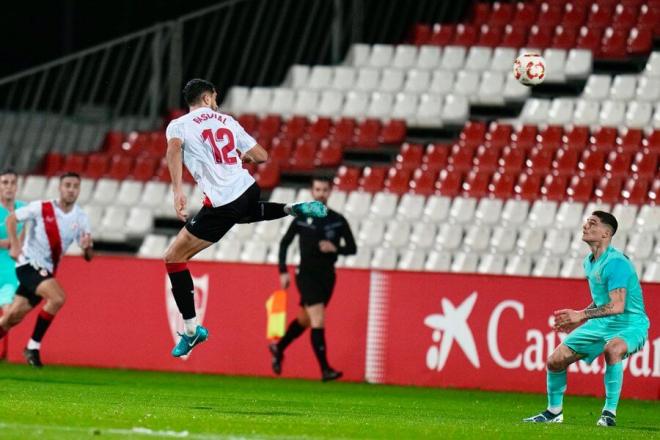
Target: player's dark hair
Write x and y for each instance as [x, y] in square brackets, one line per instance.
[321, 179]
[8, 170]
[69, 174]
[195, 88]
[608, 219]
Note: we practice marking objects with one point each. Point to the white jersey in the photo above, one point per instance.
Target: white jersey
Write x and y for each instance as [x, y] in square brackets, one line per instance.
[36, 248]
[209, 140]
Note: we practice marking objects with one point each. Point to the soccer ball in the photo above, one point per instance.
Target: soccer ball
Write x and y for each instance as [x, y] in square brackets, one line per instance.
[529, 69]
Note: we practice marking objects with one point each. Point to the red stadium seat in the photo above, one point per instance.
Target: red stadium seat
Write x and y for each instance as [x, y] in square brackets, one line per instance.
[423, 181]
[574, 15]
[589, 38]
[249, 122]
[461, 157]
[269, 126]
[551, 136]
[330, 154]
[137, 142]
[550, 14]
[592, 162]
[466, 35]
[347, 178]
[397, 181]
[145, 168]
[480, 13]
[652, 142]
[173, 114]
[367, 132]
[74, 163]
[476, 183]
[614, 43]
[97, 165]
[449, 182]
[600, 16]
[528, 186]
[554, 187]
[524, 138]
[564, 38]
[498, 135]
[514, 36]
[373, 179]
[473, 133]
[630, 139]
[343, 131]
[280, 152]
[512, 160]
[608, 189]
[162, 173]
[442, 34]
[157, 145]
[604, 138]
[565, 161]
[294, 128]
[421, 34]
[112, 143]
[436, 156]
[654, 192]
[540, 37]
[576, 138]
[267, 175]
[640, 41]
[410, 156]
[501, 14]
[502, 184]
[486, 158]
[635, 190]
[625, 16]
[304, 154]
[52, 164]
[645, 163]
[524, 14]
[540, 159]
[393, 132]
[580, 188]
[121, 165]
[649, 18]
[618, 163]
[320, 129]
[490, 36]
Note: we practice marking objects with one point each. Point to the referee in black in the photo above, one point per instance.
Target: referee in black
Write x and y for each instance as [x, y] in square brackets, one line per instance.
[321, 240]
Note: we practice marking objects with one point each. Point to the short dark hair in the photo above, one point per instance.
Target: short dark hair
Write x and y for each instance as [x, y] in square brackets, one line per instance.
[9, 170]
[608, 219]
[195, 88]
[69, 174]
[321, 179]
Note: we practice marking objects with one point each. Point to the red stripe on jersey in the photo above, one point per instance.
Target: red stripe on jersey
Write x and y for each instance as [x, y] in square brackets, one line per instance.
[52, 232]
[207, 202]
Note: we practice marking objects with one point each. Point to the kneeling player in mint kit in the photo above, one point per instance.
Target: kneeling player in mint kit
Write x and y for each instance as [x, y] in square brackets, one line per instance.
[53, 225]
[615, 323]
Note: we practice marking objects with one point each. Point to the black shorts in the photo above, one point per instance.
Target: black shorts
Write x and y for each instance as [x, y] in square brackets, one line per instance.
[211, 224]
[29, 279]
[315, 287]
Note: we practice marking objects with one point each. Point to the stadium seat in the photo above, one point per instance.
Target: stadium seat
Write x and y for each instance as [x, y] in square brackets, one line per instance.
[462, 209]
[535, 111]
[635, 190]
[392, 80]
[464, 262]
[438, 261]
[638, 114]
[449, 237]
[465, 35]
[629, 140]
[503, 239]
[153, 246]
[442, 34]
[367, 133]
[524, 14]
[373, 179]
[648, 218]
[411, 206]
[528, 185]
[578, 63]
[384, 205]
[129, 193]
[554, 187]
[530, 240]
[546, 266]
[614, 42]
[282, 101]
[488, 211]
[514, 37]
[648, 89]
[608, 189]
[564, 38]
[550, 14]
[259, 100]
[515, 211]
[453, 58]
[368, 79]
[565, 161]
[105, 192]
[296, 78]
[139, 222]
[486, 159]
[380, 105]
[393, 132]
[502, 184]
[384, 259]
[397, 234]
[542, 214]
[405, 107]
[478, 58]
[556, 61]
[254, 251]
[477, 238]
[520, 265]
[476, 183]
[645, 163]
[589, 39]
[405, 56]
[572, 268]
[592, 162]
[358, 204]
[569, 215]
[540, 37]
[412, 259]
[371, 232]
[422, 235]
[501, 14]
[489, 36]
[381, 55]
[355, 104]
[268, 175]
[436, 208]
[429, 57]
[429, 111]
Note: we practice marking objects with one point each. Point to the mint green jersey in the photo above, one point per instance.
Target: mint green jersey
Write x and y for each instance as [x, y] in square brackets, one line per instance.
[7, 265]
[613, 270]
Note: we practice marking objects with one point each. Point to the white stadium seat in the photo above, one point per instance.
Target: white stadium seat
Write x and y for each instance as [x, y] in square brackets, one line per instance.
[462, 209]
[384, 259]
[491, 264]
[625, 216]
[467, 83]
[561, 111]
[652, 68]
[337, 200]
[491, 88]
[358, 204]
[405, 56]
[456, 110]
[438, 261]
[412, 259]
[453, 58]
[586, 112]
[356, 104]
[429, 111]
[368, 79]
[569, 215]
[612, 113]
[515, 211]
[422, 235]
[652, 272]
[358, 55]
[52, 189]
[153, 194]
[105, 192]
[129, 193]
[477, 238]
[429, 57]
[478, 58]
[502, 59]
[306, 102]
[623, 87]
[546, 267]
[259, 100]
[270, 231]
[558, 241]
[638, 114]
[330, 104]
[542, 213]
[282, 102]
[578, 63]
[417, 81]
[555, 62]
[95, 216]
[361, 260]
[153, 246]
[283, 195]
[450, 237]
[33, 188]
[535, 111]
[140, 221]
[597, 87]
[411, 206]
[381, 55]
[297, 77]
[391, 80]
[530, 240]
[372, 232]
[384, 205]
[648, 218]
[254, 251]
[228, 250]
[320, 77]
[648, 89]
[437, 208]
[464, 262]
[113, 224]
[513, 90]
[520, 265]
[572, 268]
[503, 239]
[442, 82]
[488, 211]
[236, 99]
[639, 246]
[405, 107]
[397, 234]
[380, 105]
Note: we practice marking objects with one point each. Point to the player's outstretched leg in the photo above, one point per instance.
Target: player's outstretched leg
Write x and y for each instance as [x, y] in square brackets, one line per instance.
[308, 209]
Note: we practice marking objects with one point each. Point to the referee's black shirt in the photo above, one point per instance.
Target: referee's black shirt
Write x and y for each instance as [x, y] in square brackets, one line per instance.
[333, 227]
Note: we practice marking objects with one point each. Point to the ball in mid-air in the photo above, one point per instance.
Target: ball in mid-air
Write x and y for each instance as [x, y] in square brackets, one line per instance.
[529, 69]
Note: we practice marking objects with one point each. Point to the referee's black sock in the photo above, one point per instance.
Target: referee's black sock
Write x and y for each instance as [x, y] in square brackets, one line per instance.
[292, 332]
[318, 343]
[183, 288]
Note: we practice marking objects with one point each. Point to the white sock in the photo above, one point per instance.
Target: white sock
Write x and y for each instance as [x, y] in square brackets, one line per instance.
[287, 208]
[33, 345]
[190, 326]
[555, 409]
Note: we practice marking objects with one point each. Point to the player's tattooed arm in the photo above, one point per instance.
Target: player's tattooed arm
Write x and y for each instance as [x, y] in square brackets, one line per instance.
[614, 307]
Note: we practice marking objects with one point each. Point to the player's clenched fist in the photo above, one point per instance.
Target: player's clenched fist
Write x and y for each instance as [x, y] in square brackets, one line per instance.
[180, 206]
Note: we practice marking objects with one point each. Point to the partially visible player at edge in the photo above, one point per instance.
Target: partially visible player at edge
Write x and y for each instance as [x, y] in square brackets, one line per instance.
[52, 226]
[8, 204]
[213, 147]
[615, 323]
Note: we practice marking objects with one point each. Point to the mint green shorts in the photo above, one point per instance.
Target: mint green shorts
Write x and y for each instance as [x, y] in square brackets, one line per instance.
[589, 339]
[7, 293]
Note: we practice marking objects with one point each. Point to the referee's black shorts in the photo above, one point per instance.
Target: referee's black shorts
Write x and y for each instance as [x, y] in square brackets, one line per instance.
[211, 224]
[29, 279]
[315, 287]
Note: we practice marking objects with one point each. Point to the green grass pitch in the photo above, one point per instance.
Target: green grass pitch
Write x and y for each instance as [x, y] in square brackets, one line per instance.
[63, 403]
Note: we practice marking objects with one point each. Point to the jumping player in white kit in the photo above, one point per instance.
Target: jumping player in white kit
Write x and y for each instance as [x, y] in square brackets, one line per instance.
[213, 147]
[52, 226]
